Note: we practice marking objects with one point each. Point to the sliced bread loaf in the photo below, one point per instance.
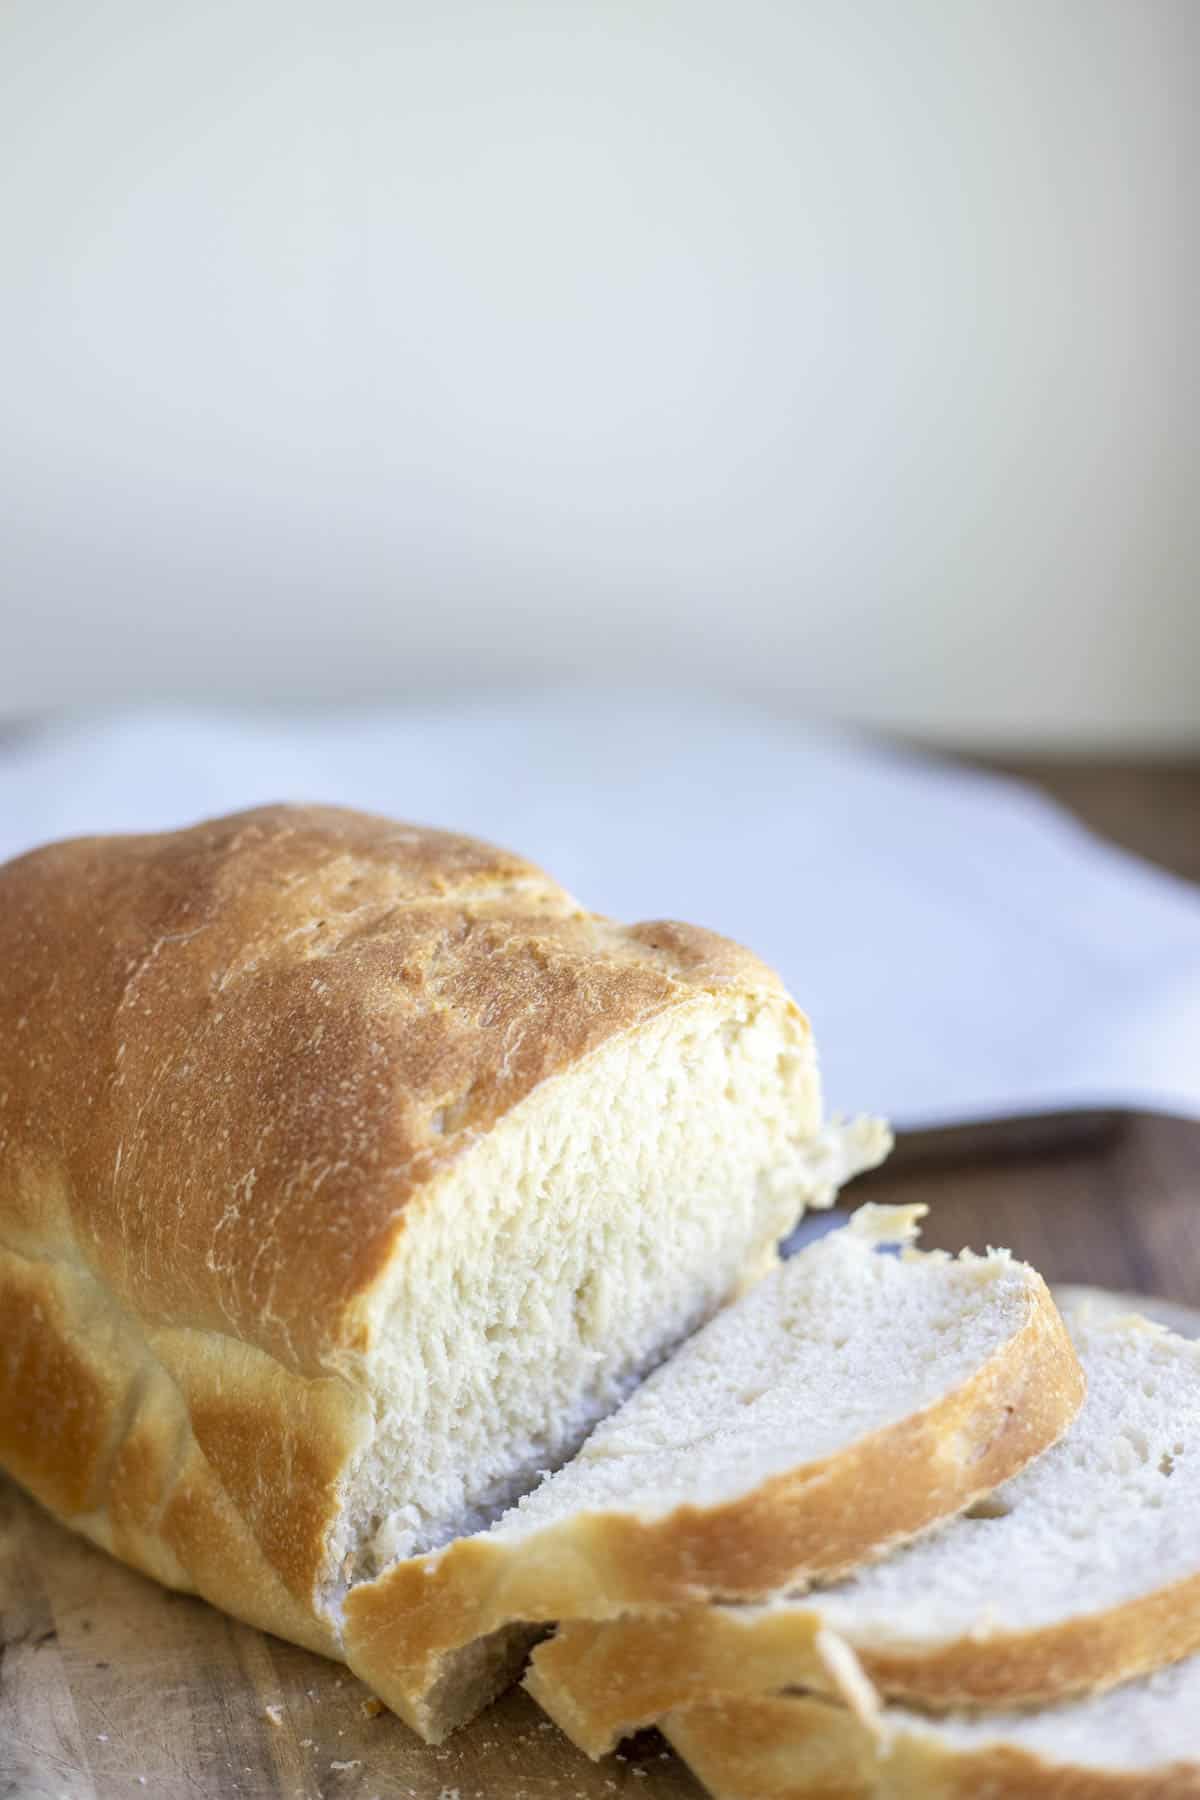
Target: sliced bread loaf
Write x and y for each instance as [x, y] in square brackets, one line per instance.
[349, 1173]
[1080, 1572]
[849, 1401]
[1136, 1742]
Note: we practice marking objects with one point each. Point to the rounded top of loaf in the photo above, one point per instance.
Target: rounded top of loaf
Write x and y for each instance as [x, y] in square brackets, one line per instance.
[231, 1056]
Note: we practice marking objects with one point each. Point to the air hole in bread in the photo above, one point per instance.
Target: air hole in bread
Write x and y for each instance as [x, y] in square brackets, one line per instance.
[990, 1507]
[583, 1303]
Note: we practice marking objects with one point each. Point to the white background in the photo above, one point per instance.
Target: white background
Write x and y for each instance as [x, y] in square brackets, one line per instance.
[842, 351]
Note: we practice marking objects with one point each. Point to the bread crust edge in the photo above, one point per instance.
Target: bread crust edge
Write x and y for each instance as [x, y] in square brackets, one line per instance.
[808, 1749]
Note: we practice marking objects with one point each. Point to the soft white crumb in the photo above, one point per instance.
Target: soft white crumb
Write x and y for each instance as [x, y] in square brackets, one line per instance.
[275, 1714]
[356, 1763]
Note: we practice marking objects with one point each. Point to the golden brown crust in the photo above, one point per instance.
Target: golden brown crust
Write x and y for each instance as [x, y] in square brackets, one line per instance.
[798, 1748]
[231, 1058]
[293, 1016]
[793, 1749]
[1086, 1653]
[814, 1521]
[95, 1424]
[60, 1408]
[601, 1681]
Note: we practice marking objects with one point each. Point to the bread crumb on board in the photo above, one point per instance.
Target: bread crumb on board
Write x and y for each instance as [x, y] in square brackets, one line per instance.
[275, 1714]
[336, 1768]
[371, 1707]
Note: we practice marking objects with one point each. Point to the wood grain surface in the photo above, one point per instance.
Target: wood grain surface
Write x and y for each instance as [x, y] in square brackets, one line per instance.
[113, 1689]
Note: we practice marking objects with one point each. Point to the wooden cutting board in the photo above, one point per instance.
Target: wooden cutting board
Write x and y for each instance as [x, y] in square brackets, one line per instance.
[114, 1689]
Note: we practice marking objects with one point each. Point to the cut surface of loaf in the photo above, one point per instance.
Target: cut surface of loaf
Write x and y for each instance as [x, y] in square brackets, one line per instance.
[349, 1172]
[1078, 1573]
[851, 1400]
[1140, 1741]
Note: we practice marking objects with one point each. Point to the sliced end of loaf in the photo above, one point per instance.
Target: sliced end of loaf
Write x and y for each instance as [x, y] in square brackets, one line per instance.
[765, 1452]
[567, 1251]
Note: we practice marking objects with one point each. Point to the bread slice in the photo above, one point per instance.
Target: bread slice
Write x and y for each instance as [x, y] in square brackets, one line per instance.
[1136, 1742]
[849, 1401]
[349, 1173]
[1080, 1572]
[1071, 1297]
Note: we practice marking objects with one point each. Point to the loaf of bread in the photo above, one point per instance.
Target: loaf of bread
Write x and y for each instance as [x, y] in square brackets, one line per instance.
[1140, 1741]
[1081, 1572]
[849, 1402]
[349, 1173]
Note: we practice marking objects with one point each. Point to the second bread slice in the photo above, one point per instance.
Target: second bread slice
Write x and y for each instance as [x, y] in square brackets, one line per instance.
[1140, 1741]
[1082, 1571]
[849, 1402]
